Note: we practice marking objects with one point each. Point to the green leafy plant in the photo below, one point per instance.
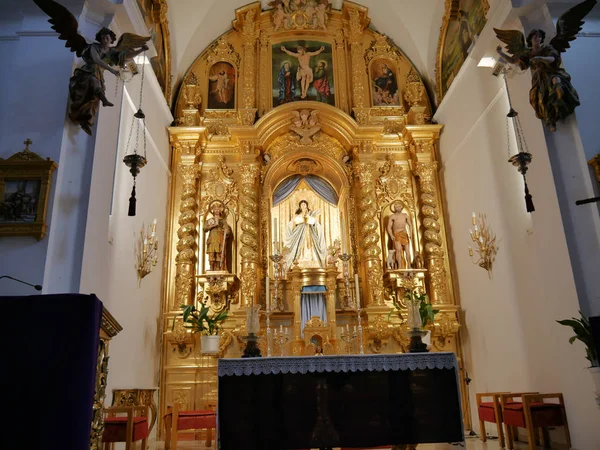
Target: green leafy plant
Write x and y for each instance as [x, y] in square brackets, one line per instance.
[200, 321]
[583, 332]
[426, 310]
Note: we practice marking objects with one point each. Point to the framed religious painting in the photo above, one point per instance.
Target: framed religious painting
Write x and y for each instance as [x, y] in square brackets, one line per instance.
[154, 13]
[25, 180]
[221, 86]
[384, 83]
[302, 70]
[463, 22]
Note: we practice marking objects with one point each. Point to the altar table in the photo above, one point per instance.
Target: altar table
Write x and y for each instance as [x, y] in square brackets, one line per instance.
[338, 401]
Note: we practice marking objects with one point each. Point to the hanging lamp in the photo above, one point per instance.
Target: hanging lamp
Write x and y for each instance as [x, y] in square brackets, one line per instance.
[135, 158]
[522, 158]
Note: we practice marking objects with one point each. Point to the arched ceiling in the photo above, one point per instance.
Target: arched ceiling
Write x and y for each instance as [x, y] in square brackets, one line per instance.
[413, 25]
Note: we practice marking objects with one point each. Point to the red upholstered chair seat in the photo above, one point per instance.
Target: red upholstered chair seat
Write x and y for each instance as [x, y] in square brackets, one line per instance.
[486, 411]
[116, 427]
[542, 414]
[200, 419]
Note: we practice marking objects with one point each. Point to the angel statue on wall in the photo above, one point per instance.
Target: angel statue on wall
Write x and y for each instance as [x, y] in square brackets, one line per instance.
[86, 87]
[305, 124]
[552, 95]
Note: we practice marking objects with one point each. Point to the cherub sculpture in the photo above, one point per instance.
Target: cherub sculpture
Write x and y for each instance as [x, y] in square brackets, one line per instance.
[552, 95]
[86, 87]
[306, 124]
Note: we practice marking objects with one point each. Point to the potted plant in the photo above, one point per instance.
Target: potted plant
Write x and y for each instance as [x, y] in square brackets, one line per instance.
[200, 321]
[425, 313]
[583, 332]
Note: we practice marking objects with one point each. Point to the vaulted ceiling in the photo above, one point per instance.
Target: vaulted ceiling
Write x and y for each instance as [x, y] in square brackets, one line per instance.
[414, 25]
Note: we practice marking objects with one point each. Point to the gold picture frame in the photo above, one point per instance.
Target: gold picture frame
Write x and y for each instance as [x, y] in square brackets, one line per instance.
[25, 180]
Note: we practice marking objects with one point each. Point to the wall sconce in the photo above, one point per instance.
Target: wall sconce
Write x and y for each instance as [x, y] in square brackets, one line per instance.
[146, 251]
[482, 235]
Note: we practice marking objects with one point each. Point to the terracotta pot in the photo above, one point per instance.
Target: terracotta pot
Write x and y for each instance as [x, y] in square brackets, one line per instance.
[209, 345]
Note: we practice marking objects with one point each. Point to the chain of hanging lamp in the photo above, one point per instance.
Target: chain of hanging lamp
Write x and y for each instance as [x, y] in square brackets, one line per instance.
[522, 158]
[135, 161]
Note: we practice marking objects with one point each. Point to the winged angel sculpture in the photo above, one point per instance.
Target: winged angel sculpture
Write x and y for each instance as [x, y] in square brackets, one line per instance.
[86, 87]
[552, 95]
[306, 124]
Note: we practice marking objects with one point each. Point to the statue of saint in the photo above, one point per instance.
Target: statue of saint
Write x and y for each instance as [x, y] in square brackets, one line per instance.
[397, 228]
[218, 236]
[305, 238]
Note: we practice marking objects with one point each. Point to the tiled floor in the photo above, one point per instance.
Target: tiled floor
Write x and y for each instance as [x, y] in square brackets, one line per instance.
[473, 443]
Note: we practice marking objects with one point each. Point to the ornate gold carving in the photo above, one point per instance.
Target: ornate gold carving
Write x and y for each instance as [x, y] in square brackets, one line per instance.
[249, 35]
[595, 163]
[393, 126]
[99, 394]
[445, 327]
[400, 334]
[370, 230]
[394, 184]
[249, 238]
[220, 185]
[432, 238]
[383, 47]
[186, 253]
[191, 91]
[305, 124]
[222, 114]
[354, 33]
[137, 397]
[315, 322]
[321, 143]
[265, 93]
[159, 13]
[299, 15]
[182, 398]
[247, 116]
[225, 340]
[415, 91]
[341, 80]
[180, 339]
[388, 111]
[379, 330]
[221, 50]
[217, 128]
[304, 166]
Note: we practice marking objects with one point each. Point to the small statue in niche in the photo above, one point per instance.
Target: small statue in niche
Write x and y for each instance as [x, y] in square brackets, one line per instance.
[398, 225]
[86, 87]
[218, 237]
[306, 124]
[552, 95]
[333, 253]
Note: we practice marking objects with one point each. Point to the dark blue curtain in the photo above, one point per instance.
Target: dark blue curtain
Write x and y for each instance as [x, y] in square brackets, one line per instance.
[318, 184]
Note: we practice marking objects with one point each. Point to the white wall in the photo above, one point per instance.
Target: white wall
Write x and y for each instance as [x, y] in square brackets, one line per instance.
[135, 352]
[33, 87]
[512, 340]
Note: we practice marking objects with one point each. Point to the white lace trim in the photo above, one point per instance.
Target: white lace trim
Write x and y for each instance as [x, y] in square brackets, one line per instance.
[337, 363]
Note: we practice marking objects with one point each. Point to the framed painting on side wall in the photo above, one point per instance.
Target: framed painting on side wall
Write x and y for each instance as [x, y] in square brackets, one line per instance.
[462, 24]
[25, 181]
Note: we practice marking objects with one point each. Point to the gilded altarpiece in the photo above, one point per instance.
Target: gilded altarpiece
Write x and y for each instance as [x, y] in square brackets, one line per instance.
[352, 160]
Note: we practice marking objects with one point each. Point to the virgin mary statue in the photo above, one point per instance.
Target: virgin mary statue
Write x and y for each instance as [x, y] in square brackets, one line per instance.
[305, 238]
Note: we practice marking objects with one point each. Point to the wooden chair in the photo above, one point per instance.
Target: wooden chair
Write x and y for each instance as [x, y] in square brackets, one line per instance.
[129, 428]
[533, 413]
[176, 420]
[490, 412]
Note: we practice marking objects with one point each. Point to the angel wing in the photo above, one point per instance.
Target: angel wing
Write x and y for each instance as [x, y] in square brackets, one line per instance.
[65, 24]
[297, 121]
[313, 119]
[569, 24]
[514, 40]
[130, 41]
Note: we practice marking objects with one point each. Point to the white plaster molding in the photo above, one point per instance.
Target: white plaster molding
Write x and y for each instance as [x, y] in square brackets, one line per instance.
[9, 37]
[153, 145]
[135, 17]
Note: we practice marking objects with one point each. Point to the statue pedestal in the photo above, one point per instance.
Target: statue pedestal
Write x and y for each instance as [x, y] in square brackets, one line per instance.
[416, 343]
[217, 289]
[252, 350]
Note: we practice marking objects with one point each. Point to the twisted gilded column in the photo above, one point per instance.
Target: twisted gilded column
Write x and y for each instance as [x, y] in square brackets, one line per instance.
[249, 228]
[426, 173]
[186, 246]
[369, 232]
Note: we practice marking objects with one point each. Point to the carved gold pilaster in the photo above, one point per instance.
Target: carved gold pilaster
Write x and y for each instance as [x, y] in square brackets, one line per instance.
[99, 394]
[426, 173]
[186, 246]
[265, 94]
[249, 35]
[249, 228]
[192, 98]
[354, 33]
[369, 232]
[341, 80]
[595, 163]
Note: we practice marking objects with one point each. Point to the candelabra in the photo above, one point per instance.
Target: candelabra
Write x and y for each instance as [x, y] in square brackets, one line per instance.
[360, 329]
[348, 336]
[347, 302]
[146, 251]
[485, 239]
[282, 338]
